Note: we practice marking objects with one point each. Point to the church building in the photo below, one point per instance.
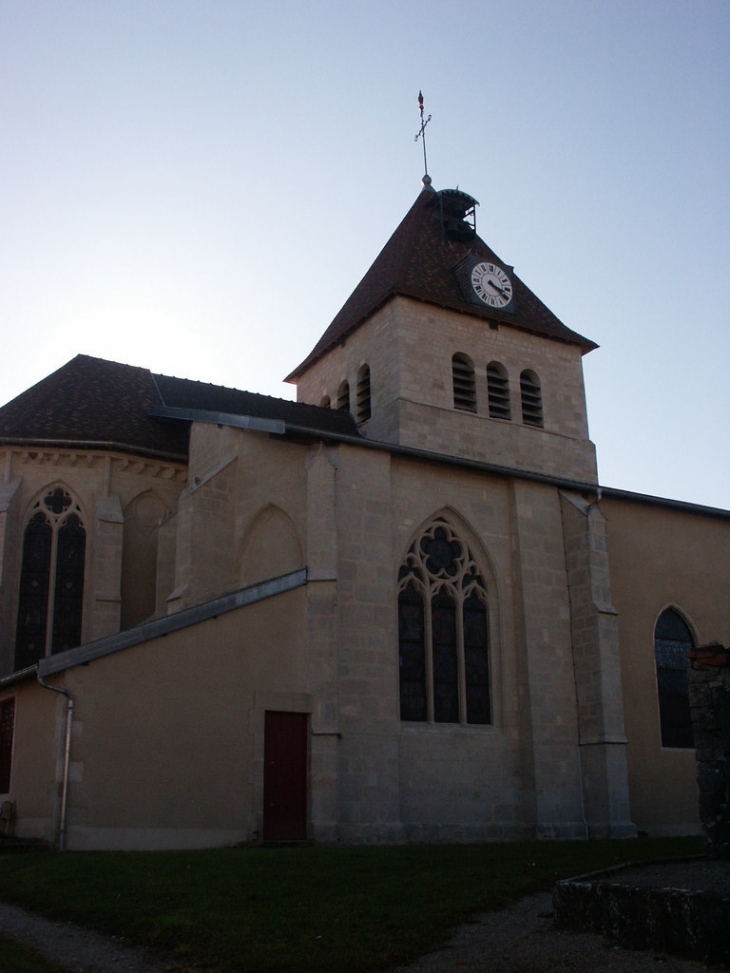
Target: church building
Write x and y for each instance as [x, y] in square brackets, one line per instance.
[401, 608]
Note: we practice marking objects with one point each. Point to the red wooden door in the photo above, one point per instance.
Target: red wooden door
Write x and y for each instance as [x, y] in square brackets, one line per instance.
[285, 776]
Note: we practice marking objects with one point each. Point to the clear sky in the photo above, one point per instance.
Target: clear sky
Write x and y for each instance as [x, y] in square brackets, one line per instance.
[197, 187]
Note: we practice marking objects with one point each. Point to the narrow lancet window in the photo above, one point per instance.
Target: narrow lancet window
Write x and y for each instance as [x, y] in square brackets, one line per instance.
[672, 642]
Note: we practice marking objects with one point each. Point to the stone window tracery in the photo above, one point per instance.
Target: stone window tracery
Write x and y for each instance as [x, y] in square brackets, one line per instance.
[443, 636]
[51, 579]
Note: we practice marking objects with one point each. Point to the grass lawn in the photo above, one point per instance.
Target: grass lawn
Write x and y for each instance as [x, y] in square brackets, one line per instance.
[16, 957]
[310, 910]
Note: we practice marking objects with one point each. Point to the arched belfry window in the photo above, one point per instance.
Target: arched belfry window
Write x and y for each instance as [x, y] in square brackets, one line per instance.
[443, 636]
[364, 410]
[672, 642]
[465, 389]
[531, 393]
[51, 579]
[498, 391]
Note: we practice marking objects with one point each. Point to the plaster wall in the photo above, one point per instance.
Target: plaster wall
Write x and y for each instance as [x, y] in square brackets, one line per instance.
[167, 747]
[36, 759]
[663, 558]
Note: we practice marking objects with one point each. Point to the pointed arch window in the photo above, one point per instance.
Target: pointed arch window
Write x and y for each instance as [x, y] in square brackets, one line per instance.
[531, 393]
[343, 397]
[51, 579]
[465, 390]
[498, 391]
[325, 403]
[672, 642]
[363, 394]
[443, 634]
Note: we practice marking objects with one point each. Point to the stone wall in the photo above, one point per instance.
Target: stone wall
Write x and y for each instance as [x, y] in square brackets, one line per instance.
[709, 695]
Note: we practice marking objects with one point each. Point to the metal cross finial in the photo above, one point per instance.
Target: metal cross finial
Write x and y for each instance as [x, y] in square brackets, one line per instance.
[421, 133]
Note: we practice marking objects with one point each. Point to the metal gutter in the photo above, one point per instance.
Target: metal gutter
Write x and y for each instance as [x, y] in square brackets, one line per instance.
[276, 426]
[158, 627]
[648, 500]
[70, 705]
[445, 459]
[22, 675]
[94, 444]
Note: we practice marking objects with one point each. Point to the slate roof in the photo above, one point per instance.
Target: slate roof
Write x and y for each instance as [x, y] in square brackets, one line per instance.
[93, 402]
[418, 262]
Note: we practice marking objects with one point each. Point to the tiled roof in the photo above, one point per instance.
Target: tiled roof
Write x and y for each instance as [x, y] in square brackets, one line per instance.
[418, 262]
[93, 402]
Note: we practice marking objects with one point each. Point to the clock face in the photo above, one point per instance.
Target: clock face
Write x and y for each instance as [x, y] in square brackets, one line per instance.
[491, 285]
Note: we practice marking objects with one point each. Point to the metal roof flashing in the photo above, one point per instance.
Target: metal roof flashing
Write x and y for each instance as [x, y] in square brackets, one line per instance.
[156, 628]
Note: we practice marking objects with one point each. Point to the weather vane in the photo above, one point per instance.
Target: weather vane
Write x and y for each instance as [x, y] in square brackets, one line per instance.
[421, 134]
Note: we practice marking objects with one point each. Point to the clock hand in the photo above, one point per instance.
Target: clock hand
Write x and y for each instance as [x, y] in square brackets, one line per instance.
[498, 289]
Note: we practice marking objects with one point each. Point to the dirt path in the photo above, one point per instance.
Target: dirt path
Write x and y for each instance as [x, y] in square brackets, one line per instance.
[77, 950]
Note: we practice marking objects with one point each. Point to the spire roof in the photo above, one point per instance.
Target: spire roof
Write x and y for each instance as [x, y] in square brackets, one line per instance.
[419, 262]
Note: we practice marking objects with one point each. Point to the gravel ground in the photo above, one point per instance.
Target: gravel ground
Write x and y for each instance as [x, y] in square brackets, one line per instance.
[523, 939]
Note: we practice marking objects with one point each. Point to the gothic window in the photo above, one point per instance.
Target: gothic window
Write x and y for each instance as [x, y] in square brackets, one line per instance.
[465, 390]
[531, 398]
[498, 391]
[51, 579]
[363, 394]
[443, 641]
[325, 403]
[672, 641]
[343, 397]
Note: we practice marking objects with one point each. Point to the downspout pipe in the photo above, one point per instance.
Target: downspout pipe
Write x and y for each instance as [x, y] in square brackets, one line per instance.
[61, 844]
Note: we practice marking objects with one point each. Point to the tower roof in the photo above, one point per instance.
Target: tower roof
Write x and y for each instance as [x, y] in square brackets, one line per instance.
[419, 262]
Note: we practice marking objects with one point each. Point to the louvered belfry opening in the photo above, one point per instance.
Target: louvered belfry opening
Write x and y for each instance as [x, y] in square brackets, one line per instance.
[465, 391]
[498, 391]
[343, 397]
[531, 399]
[364, 410]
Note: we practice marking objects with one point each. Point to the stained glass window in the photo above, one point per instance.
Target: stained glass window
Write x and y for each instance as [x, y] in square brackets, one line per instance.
[443, 632]
[51, 579]
[672, 641]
